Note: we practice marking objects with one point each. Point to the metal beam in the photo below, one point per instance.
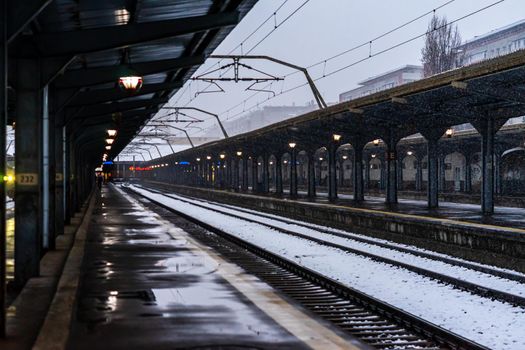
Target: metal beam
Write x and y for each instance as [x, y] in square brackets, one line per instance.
[116, 107]
[3, 158]
[52, 67]
[108, 74]
[224, 133]
[114, 37]
[126, 117]
[105, 95]
[21, 13]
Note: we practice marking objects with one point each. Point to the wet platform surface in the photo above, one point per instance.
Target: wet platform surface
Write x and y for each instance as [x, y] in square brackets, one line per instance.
[503, 216]
[143, 285]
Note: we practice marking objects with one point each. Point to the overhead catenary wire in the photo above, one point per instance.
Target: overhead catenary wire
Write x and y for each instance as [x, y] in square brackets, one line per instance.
[366, 58]
[240, 45]
[356, 47]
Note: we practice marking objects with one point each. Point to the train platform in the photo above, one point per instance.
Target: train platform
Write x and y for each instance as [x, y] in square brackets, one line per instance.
[146, 283]
[509, 217]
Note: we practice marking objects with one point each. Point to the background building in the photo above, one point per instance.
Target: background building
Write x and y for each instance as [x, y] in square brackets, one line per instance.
[388, 80]
[495, 43]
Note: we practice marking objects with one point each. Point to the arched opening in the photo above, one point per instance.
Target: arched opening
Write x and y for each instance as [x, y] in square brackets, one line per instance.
[513, 171]
[409, 172]
[454, 172]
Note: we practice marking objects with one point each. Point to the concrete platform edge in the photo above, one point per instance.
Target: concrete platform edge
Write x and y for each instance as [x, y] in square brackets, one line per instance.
[54, 333]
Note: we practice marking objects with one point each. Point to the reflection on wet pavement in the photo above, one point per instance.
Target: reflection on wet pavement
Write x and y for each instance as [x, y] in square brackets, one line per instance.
[10, 263]
[143, 285]
[503, 216]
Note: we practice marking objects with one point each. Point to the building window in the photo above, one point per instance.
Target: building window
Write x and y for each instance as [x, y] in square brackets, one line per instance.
[477, 57]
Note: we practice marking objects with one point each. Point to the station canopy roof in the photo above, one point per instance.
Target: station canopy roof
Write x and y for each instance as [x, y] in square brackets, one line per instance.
[84, 46]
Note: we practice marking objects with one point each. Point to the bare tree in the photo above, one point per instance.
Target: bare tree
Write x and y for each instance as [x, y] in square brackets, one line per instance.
[439, 53]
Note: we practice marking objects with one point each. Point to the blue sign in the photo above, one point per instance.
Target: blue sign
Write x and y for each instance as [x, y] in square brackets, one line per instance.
[109, 162]
[184, 163]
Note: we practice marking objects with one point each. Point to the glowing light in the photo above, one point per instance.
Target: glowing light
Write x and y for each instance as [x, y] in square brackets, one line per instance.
[345, 157]
[110, 141]
[222, 156]
[410, 153]
[208, 157]
[292, 144]
[198, 159]
[373, 155]
[112, 132]
[130, 83]
[239, 153]
[336, 137]
[108, 147]
[376, 142]
[449, 132]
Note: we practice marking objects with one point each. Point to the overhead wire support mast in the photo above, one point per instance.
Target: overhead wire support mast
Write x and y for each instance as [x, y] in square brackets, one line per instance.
[236, 58]
[174, 127]
[216, 116]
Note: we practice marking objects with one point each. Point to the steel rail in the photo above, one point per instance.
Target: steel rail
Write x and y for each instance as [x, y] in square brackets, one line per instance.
[407, 320]
[461, 284]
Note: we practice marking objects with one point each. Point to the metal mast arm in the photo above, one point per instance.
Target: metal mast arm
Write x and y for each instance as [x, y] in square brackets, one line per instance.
[315, 91]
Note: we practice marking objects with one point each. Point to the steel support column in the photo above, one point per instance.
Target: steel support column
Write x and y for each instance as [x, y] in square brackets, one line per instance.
[209, 173]
[67, 178]
[245, 173]
[235, 169]
[278, 175]
[332, 172]
[51, 170]
[293, 173]
[442, 171]
[311, 174]
[357, 167]
[432, 173]
[255, 175]
[391, 171]
[28, 141]
[266, 173]
[487, 158]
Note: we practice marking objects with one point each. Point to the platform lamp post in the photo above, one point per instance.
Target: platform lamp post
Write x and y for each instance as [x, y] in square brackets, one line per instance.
[222, 170]
[293, 169]
[209, 171]
[129, 79]
[235, 169]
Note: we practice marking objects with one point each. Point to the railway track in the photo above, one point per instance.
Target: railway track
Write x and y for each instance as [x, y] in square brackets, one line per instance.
[376, 323]
[451, 280]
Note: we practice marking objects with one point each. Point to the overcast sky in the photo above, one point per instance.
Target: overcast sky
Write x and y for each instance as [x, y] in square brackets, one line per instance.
[323, 28]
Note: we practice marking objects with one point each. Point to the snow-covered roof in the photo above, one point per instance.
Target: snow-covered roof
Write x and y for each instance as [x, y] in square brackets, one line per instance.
[408, 66]
[493, 32]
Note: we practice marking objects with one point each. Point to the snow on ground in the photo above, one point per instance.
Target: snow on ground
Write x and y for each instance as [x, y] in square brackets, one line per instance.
[479, 278]
[359, 236]
[495, 324]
